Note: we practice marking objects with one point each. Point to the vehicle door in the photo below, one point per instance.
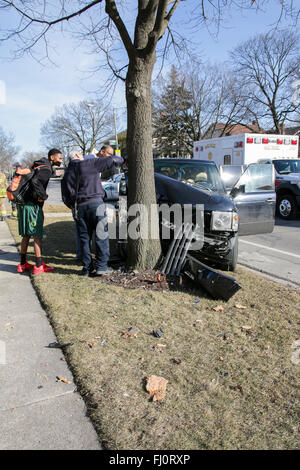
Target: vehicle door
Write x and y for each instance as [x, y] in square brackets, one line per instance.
[230, 174]
[255, 199]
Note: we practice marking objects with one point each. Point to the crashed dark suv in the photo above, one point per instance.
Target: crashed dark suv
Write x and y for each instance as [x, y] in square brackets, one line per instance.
[247, 209]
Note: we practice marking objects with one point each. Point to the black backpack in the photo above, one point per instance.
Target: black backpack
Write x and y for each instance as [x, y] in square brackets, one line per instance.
[18, 190]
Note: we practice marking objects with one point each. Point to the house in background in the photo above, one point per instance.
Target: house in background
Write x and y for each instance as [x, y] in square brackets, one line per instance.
[222, 130]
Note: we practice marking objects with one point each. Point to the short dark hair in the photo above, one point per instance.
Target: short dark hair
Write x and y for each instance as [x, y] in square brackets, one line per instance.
[53, 152]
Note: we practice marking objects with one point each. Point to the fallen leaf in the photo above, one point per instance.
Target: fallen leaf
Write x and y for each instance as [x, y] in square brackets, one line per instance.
[221, 358]
[156, 386]
[239, 306]
[246, 328]
[62, 379]
[219, 308]
[161, 277]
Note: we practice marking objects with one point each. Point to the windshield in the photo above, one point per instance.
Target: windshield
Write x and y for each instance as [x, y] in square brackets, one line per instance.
[284, 167]
[202, 175]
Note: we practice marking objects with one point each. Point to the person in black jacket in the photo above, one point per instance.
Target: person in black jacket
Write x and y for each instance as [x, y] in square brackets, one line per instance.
[84, 176]
[31, 216]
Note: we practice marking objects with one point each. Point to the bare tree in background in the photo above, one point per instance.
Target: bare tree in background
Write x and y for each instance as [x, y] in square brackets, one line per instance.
[265, 68]
[82, 125]
[192, 103]
[8, 151]
[29, 157]
[139, 28]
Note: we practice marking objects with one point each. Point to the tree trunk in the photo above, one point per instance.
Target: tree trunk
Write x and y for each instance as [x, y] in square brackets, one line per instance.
[142, 252]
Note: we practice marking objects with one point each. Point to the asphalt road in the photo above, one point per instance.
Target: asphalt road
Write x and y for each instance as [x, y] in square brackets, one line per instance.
[276, 254]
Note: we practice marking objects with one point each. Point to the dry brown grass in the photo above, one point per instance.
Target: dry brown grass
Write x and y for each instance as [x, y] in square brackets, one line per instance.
[241, 392]
[52, 208]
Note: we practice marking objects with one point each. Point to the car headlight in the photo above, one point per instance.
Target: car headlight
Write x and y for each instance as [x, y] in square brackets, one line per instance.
[224, 221]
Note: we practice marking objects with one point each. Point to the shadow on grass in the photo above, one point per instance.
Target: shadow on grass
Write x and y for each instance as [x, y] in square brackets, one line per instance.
[59, 246]
[59, 250]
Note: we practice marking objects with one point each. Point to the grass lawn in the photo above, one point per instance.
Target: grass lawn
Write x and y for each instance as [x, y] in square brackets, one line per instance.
[231, 380]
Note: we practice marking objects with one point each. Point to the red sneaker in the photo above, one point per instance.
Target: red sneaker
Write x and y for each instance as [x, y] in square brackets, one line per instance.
[38, 270]
[24, 267]
[48, 269]
[42, 269]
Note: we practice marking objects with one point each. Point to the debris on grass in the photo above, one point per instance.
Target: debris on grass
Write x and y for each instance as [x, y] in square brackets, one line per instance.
[219, 308]
[237, 388]
[90, 344]
[157, 333]
[246, 328]
[177, 360]
[58, 345]
[156, 386]
[130, 332]
[240, 307]
[224, 374]
[62, 379]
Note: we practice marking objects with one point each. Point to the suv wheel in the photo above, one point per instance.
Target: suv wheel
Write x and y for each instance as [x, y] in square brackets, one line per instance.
[286, 207]
[232, 256]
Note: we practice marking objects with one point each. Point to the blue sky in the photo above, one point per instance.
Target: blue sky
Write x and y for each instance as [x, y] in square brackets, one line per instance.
[33, 91]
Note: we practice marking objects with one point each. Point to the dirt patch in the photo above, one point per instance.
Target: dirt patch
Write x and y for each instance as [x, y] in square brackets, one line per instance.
[147, 280]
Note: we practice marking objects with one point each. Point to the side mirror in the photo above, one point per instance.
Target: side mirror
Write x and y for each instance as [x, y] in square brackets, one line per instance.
[237, 190]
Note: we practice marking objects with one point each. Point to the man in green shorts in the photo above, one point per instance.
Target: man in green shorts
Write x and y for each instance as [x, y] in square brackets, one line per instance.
[31, 216]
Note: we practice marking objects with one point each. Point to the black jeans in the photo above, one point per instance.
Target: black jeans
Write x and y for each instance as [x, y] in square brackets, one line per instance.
[92, 217]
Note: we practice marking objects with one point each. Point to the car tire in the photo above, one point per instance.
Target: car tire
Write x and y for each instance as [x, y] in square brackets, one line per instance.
[286, 207]
[232, 257]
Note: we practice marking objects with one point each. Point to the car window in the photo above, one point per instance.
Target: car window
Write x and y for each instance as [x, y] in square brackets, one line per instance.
[199, 174]
[230, 174]
[284, 167]
[257, 178]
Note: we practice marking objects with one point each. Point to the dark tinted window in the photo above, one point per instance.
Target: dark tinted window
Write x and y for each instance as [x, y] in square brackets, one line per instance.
[284, 167]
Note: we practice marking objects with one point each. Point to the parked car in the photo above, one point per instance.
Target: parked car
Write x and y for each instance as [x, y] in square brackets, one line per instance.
[114, 186]
[287, 185]
[248, 209]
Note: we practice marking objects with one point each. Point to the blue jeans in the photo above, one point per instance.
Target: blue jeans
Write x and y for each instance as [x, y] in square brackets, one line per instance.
[92, 217]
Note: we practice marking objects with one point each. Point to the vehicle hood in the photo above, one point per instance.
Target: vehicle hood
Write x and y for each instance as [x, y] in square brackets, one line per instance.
[291, 177]
[173, 191]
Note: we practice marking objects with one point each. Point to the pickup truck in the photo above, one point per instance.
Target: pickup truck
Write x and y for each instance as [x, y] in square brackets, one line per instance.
[247, 208]
[287, 186]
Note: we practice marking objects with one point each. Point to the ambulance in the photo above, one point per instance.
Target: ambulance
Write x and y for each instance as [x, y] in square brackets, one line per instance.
[234, 153]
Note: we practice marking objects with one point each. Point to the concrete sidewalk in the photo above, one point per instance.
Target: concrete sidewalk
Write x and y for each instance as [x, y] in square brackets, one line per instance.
[36, 411]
